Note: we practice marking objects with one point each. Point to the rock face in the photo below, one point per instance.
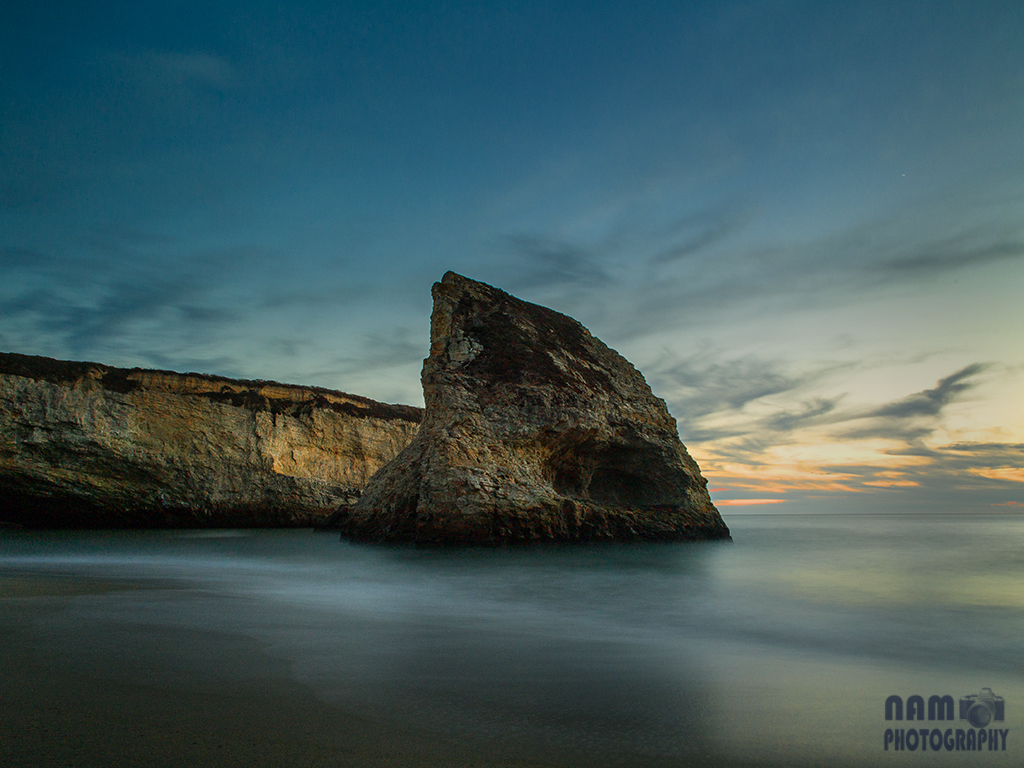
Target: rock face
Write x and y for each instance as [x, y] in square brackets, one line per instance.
[83, 444]
[533, 430]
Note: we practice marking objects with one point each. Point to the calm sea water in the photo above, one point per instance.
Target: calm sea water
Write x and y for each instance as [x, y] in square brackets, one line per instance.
[777, 648]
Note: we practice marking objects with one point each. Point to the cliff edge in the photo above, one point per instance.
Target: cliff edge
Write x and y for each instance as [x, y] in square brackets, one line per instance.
[533, 430]
[84, 444]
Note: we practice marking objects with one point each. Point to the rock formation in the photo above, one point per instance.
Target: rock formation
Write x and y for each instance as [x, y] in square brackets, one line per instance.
[83, 444]
[533, 430]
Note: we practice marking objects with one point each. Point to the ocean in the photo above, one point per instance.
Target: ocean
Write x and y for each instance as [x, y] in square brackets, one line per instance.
[292, 648]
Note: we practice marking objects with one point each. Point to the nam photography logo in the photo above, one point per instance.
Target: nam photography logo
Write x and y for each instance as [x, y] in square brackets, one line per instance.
[977, 710]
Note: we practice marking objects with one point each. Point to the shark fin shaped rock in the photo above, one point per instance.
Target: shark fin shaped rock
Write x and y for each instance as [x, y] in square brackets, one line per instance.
[533, 430]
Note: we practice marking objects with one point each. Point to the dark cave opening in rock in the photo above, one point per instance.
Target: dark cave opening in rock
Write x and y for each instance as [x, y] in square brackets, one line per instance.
[618, 475]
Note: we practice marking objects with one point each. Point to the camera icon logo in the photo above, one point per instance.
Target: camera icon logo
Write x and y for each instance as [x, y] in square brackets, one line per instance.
[980, 709]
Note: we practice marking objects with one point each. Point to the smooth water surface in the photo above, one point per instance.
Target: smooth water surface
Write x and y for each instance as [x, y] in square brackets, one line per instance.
[778, 648]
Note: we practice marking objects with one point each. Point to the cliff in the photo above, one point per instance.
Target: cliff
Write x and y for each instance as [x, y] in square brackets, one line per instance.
[533, 430]
[83, 444]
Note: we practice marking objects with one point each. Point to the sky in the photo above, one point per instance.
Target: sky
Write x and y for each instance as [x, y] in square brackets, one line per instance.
[803, 222]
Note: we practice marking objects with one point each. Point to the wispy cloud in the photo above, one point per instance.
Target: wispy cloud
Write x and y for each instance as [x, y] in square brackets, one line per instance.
[159, 75]
[747, 502]
[195, 68]
[992, 472]
[971, 248]
[545, 261]
[708, 387]
[915, 417]
[397, 346]
[86, 303]
[817, 410]
[754, 439]
[705, 264]
[112, 240]
[694, 233]
[709, 396]
[930, 402]
[118, 306]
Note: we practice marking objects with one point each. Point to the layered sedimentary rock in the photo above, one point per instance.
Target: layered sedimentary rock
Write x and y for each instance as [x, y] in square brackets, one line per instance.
[533, 430]
[83, 444]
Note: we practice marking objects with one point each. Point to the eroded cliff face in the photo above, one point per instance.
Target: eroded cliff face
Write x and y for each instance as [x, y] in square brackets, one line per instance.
[83, 444]
[533, 430]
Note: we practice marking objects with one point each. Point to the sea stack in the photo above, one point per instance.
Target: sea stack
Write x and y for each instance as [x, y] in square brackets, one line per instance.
[533, 430]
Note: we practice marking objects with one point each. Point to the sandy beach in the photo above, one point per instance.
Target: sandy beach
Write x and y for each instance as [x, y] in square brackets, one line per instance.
[149, 699]
[57, 716]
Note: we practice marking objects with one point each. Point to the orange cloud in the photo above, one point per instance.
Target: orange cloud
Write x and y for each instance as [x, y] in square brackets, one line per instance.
[780, 478]
[746, 502]
[771, 445]
[1016, 474]
[818, 465]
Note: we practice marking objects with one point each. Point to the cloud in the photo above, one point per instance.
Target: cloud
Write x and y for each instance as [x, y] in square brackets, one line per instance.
[915, 417]
[697, 232]
[978, 463]
[629, 253]
[972, 248]
[708, 265]
[781, 436]
[998, 454]
[544, 261]
[119, 239]
[709, 396]
[162, 74]
[120, 291]
[319, 293]
[1009, 474]
[195, 69]
[930, 402]
[709, 387]
[122, 305]
[991, 473]
[746, 502]
[221, 365]
[817, 410]
[397, 347]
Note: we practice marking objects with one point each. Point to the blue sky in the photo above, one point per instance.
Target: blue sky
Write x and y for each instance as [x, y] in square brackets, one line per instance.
[802, 221]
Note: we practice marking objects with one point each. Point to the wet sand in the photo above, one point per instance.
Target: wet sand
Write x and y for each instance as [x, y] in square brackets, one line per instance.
[57, 711]
[207, 699]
